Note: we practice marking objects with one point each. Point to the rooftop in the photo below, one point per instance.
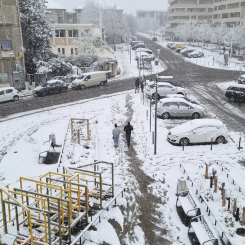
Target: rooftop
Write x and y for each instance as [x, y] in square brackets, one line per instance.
[53, 5]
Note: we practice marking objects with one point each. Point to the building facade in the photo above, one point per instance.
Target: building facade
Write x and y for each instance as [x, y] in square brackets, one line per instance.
[12, 65]
[161, 16]
[214, 11]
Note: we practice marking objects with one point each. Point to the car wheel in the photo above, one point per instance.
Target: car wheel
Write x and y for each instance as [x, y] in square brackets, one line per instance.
[155, 96]
[195, 115]
[165, 115]
[184, 141]
[82, 86]
[16, 98]
[232, 99]
[220, 140]
[102, 83]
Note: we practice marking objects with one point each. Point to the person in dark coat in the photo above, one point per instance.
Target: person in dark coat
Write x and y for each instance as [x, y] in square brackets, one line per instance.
[137, 85]
[128, 129]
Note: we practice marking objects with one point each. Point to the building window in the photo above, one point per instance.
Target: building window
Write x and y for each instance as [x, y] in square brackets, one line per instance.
[52, 20]
[210, 9]
[73, 33]
[76, 51]
[193, 17]
[232, 5]
[4, 78]
[61, 12]
[235, 15]
[6, 45]
[58, 50]
[63, 50]
[60, 33]
[221, 7]
[70, 20]
[215, 16]
[72, 51]
[53, 11]
[205, 1]
[242, 4]
[224, 16]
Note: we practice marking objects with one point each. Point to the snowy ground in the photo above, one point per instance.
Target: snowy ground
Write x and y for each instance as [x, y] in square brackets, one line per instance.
[211, 59]
[25, 136]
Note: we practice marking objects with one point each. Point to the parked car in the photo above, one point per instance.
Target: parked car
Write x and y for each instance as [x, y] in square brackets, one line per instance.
[90, 79]
[199, 131]
[168, 79]
[235, 93]
[181, 96]
[144, 55]
[9, 94]
[186, 51]
[196, 54]
[138, 45]
[241, 79]
[132, 43]
[177, 45]
[154, 39]
[169, 44]
[51, 87]
[178, 107]
[66, 79]
[179, 49]
[163, 88]
[146, 50]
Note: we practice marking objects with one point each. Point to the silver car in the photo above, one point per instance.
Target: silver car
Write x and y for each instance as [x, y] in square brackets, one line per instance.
[178, 107]
[163, 89]
[199, 131]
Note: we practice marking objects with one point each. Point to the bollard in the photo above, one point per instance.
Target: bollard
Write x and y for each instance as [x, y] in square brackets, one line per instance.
[153, 138]
[223, 197]
[206, 171]
[239, 147]
[234, 207]
[211, 144]
[211, 181]
[229, 203]
[147, 114]
[215, 183]
[243, 216]
[78, 136]
[237, 214]
[183, 146]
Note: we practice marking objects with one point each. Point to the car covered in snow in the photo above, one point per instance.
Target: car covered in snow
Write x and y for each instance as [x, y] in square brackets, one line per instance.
[181, 96]
[163, 88]
[198, 131]
[196, 54]
[168, 79]
[178, 107]
[9, 94]
[138, 45]
[185, 52]
[51, 87]
[241, 79]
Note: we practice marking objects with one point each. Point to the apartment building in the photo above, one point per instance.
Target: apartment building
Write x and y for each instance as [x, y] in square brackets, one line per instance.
[65, 37]
[12, 64]
[214, 11]
[229, 11]
[159, 15]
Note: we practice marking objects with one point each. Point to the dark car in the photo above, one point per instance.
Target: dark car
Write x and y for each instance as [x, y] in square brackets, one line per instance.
[138, 45]
[154, 39]
[186, 51]
[179, 49]
[236, 93]
[51, 87]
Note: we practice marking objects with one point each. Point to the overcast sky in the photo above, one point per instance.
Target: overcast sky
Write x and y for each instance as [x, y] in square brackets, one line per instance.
[129, 6]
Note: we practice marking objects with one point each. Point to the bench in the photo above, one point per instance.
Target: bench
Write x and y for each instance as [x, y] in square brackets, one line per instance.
[44, 156]
[189, 204]
[203, 230]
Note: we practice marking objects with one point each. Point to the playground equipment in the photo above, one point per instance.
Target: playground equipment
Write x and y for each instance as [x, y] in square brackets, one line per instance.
[55, 207]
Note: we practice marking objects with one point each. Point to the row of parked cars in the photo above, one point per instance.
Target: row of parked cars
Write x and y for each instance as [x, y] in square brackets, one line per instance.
[172, 101]
[185, 50]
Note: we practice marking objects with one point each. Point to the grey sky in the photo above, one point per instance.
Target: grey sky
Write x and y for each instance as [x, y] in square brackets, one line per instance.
[129, 6]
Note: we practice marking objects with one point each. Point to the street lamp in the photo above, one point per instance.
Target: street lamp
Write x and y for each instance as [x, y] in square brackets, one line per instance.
[11, 69]
[156, 97]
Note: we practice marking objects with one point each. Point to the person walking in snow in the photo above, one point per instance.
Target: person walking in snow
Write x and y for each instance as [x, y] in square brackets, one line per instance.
[137, 85]
[142, 86]
[128, 129]
[116, 132]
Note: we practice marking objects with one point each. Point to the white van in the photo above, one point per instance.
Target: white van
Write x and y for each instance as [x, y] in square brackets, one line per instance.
[89, 79]
[9, 93]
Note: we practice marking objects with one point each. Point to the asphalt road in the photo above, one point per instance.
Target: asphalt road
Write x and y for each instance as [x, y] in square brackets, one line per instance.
[200, 81]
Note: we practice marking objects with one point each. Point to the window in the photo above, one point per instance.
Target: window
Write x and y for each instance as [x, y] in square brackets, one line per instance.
[199, 130]
[70, 20]
[166, 104]
[211, 128]
[73, 33]
[183, 105]
[61, 12]
[2, 92]
[210, 9]
[63, 50]
[6, 45]
[193, 17]
[8, 91]
[232, 5]
[221, 7]
[58, 50]
[60, 33]
[71, 51]
[242, 5]
[173, 104]
[52, 20]
[234, 15]
[225, 15]
[76, 51]
[4, 78]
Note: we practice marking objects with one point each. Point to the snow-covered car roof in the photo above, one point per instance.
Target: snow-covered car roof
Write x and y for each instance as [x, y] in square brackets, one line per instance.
[190, 125]
[54, 81]
[243, 76]
[175, 96]
[165, 77]
[7, 88]
[142, 49]
[237, 85]
[174, 99]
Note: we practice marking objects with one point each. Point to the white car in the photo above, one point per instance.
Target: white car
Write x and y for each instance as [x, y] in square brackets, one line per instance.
[9, 93]
[196, 54]
[163, 89]
[178, 107]
[199, 131]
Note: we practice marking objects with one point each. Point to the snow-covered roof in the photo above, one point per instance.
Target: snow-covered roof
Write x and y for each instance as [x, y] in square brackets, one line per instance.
[53, 5]
[103, 3]
[190, 125]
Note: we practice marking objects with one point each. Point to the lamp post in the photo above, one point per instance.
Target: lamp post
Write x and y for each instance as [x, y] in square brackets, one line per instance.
[156, 97]
[11, 69]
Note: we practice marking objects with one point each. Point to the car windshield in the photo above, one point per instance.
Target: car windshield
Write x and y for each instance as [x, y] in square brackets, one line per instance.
[82, 76]
[45, 85]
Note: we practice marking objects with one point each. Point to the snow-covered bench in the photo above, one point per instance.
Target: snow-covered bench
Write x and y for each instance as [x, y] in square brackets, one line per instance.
[203, 230]
[44, 155]
[189, 204]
